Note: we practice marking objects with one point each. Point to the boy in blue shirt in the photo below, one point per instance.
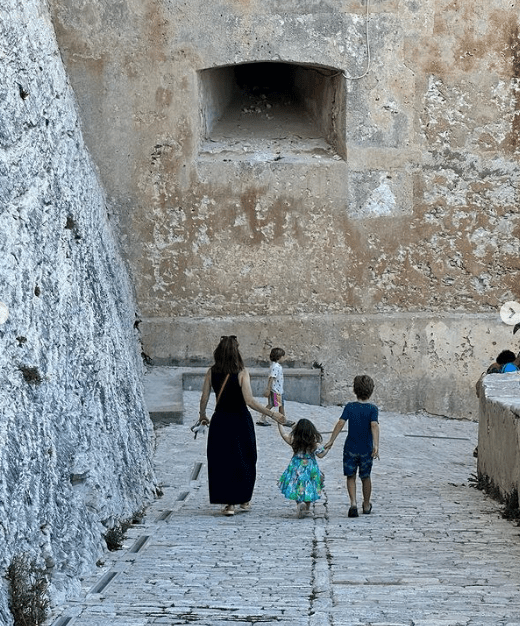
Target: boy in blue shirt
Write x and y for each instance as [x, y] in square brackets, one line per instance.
[362, 443]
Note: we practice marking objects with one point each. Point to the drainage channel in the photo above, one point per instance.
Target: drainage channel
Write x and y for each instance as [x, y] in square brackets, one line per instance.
[139, 543]
[196, 471]
[104, 582]
[62, 621]
[438, 437]
[165, 515]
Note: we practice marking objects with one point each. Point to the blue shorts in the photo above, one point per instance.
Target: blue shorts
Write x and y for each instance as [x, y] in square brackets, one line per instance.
[352, 460]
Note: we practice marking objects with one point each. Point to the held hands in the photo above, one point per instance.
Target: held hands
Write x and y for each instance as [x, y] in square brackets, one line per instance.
[278, 417]
[328, 445]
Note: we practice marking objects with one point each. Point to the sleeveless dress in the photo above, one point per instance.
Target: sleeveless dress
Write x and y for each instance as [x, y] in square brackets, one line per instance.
[231, 449]
[302, 481]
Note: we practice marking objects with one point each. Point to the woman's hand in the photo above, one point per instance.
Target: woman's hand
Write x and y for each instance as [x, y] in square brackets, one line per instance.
[278, 417]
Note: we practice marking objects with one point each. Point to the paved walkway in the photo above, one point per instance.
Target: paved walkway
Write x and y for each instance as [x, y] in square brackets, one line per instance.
[435, 551]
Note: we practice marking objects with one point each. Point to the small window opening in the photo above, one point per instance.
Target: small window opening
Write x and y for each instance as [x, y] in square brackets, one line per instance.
[272, 111]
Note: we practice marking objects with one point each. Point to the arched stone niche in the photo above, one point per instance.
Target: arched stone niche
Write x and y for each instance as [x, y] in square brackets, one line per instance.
[272, 110]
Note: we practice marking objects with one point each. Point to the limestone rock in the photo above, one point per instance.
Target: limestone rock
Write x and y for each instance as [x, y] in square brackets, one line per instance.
[75, 438]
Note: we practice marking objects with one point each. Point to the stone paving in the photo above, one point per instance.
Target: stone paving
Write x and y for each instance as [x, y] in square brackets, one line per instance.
[434, 552]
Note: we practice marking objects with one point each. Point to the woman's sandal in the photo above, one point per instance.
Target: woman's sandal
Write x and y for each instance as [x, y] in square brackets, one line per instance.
[229, 509]
[245, 506]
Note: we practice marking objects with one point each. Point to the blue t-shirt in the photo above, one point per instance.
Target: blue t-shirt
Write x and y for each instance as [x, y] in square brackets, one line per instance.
[359, 415]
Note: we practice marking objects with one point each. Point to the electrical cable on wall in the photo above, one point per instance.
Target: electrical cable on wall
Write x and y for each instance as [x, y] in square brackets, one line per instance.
[368, 52]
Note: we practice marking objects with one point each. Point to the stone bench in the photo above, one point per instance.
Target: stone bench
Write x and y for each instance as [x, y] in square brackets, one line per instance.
[164, 386]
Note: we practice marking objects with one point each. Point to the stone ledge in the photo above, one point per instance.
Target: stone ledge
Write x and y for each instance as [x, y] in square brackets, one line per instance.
[499, 431]
[164, 385]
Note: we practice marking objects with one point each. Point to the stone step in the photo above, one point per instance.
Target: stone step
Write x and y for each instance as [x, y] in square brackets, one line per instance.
[164, 386]
[163, 395]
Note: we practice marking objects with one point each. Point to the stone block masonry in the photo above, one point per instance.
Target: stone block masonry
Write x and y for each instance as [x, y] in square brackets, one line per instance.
[252, 180]
[75, 439]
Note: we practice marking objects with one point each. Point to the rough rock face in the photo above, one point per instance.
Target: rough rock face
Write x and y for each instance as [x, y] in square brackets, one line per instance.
[75, 438]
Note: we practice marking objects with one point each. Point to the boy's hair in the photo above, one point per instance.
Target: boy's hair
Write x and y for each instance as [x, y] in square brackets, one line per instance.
[506, 356]
[363, 387]
[305, 437]
[276, 354]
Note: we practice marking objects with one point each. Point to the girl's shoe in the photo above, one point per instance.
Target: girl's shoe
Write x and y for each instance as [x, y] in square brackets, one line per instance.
[229, 509]
[301, 509]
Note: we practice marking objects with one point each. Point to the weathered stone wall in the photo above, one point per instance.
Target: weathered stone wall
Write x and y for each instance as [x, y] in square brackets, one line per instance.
[75, 439]
[400, 200]
[499, 432]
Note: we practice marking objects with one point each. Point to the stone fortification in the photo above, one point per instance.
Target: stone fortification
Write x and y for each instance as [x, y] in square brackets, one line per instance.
[274, 175]
[499, 434]
[75, 439]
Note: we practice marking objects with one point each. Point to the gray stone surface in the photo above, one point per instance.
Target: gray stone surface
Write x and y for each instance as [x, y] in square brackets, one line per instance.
[499, 432]
[75, 438]
[434, 552]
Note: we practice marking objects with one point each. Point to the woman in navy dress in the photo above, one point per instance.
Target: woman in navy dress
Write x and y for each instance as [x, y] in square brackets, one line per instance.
[231, 449]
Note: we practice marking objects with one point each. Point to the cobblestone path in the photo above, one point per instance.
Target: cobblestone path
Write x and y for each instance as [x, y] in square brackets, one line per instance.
[434, 552]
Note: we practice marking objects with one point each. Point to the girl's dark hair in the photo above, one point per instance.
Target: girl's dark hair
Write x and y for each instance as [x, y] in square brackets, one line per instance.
[506, 356]
[276, 354]
[305, 437]
[227, 356]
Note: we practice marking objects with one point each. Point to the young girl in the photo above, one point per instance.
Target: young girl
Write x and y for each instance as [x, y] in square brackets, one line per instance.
[302, 481]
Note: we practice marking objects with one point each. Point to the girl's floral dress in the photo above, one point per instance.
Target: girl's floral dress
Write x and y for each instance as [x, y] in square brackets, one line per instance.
[302, 480]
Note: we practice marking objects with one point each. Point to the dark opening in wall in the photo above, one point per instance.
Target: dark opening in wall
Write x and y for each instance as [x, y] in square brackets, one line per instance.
[272, 110]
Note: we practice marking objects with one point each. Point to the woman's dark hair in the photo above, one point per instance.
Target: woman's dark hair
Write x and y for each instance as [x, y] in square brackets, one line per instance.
[305, 437]
[276, 354]
[227, 356]
[506, 356]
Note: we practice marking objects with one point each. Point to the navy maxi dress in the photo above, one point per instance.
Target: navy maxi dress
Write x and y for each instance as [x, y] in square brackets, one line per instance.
[231, 445]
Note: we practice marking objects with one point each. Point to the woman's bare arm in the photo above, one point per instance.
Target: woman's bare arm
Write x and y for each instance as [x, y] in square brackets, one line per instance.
[206, 391]
[245, 384]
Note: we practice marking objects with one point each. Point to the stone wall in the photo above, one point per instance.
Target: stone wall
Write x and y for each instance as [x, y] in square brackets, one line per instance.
[499, 432]
[75, 439]
[381, 184]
